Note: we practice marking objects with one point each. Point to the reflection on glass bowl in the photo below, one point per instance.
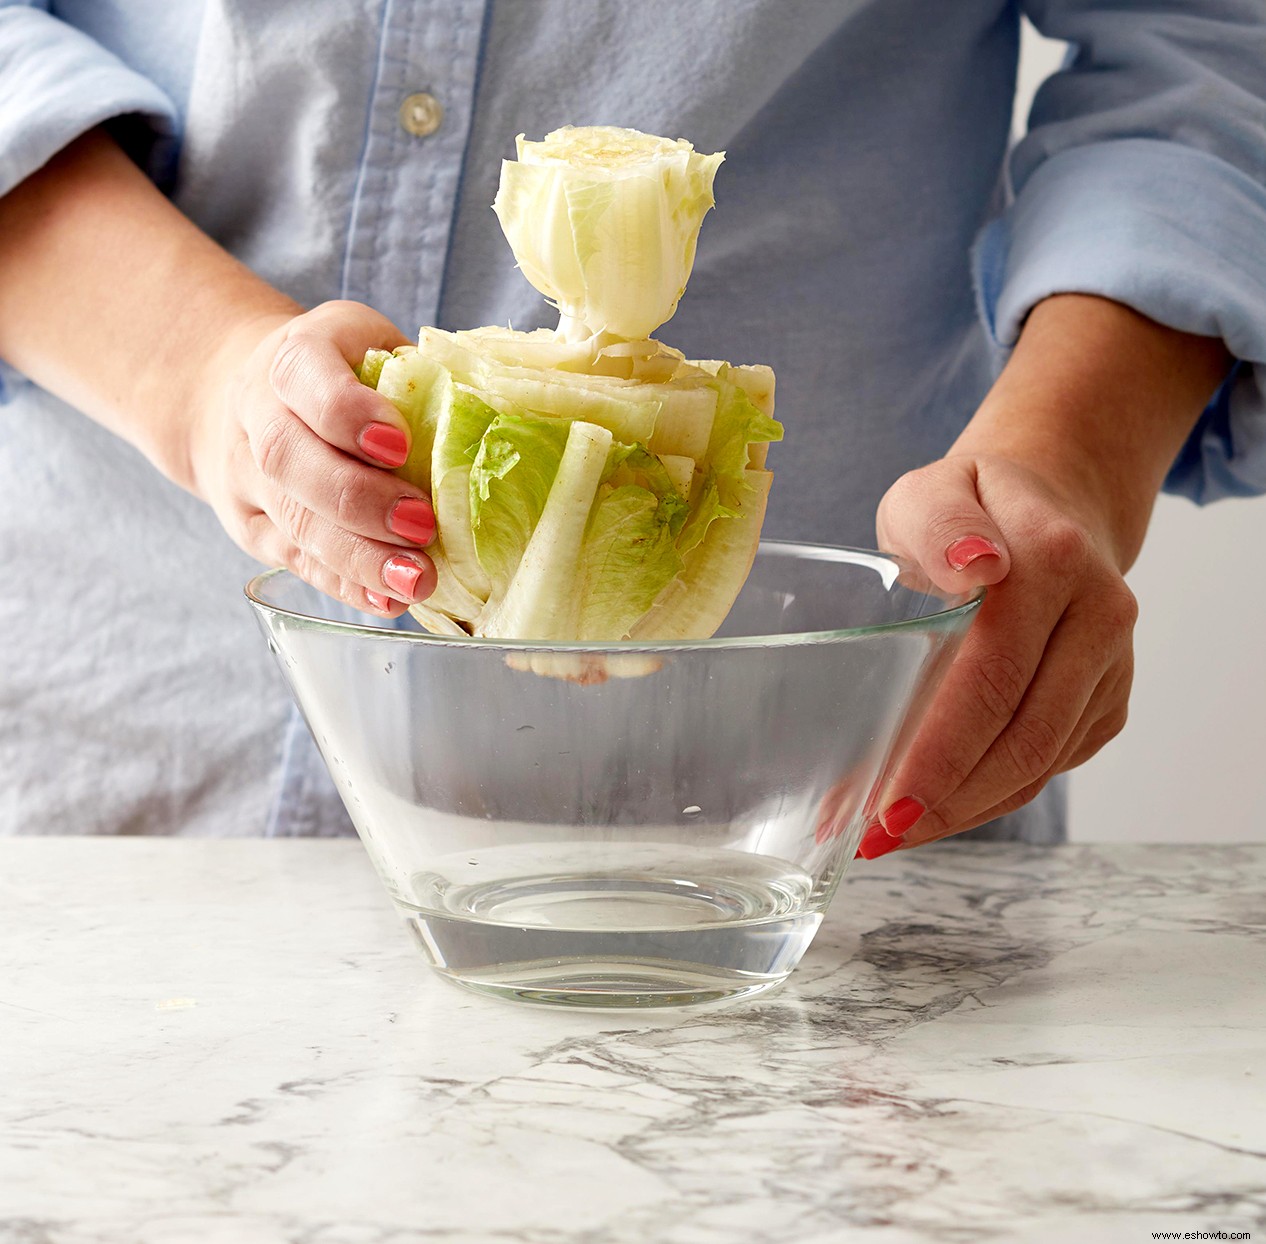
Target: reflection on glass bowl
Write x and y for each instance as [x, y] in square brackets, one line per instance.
[623, 824]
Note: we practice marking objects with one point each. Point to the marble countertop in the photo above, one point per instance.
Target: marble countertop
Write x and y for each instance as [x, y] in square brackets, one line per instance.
[234, 1042]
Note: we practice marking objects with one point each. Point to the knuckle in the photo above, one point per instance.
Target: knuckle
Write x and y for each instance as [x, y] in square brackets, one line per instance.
[1117, 721]
[253, 531]
[311, 569]
[906, 496]
[295, 519]
[338, 395]
[358, 561]
[1066, 548]
[304, 564]
[929, 507]
[352, 593]
[243, 457]
[1102, 733]
[289, 363]
[1110, 614]
[305, 376]
[339, 404]
[1030, 791]
[946, 771]
[1000, 686]
[273, 445]
[934, 825]
[1125, 676]
[899, 491]
[1026, 794]
[1032, 746]
[341, 308]
[351, 497]
[1121, 608]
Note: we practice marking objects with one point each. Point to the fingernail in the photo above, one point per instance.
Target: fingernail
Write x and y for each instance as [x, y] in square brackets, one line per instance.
[901, 817]
[963, 552]
[876, 841]
[402, 575]
[412, 519]
[384, 443]
[887, 832]
[383, 604]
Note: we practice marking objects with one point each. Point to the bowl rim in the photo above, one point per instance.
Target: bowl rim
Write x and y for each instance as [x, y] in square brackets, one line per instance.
[888, 565]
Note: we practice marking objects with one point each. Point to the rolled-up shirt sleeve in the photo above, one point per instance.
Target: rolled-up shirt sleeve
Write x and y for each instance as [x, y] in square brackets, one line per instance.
[56, 83]
[1143, 179]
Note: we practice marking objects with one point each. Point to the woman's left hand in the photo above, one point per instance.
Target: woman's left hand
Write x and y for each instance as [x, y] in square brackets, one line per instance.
[1044, 499]
[1043, 678]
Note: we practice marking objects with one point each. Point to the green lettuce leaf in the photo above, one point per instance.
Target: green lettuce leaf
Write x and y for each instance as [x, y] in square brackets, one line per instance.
[738, 423]
[695, 603]
[510, 481]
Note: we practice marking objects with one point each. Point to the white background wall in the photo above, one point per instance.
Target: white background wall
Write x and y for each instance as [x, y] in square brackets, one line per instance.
[1191, 764]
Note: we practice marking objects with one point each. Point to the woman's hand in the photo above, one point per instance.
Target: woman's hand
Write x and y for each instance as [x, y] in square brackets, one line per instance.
[268, 424]
[1045, 498]
[1043, 677]
[293, 454]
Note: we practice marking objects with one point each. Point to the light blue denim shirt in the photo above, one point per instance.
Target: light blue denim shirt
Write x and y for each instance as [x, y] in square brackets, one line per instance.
[872, 241]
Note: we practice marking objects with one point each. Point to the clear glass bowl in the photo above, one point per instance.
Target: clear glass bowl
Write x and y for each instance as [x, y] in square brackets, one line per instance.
[623, 824]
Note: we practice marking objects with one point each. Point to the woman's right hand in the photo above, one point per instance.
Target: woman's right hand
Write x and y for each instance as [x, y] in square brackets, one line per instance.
[294, 455]
[270, 425]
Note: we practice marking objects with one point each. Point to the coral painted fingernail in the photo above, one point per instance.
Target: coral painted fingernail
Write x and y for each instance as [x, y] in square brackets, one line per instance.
[902, 816]
[382, 603]
[963, 552]
[412, 519]
[402, 575]
[384, 444]
[876, 841]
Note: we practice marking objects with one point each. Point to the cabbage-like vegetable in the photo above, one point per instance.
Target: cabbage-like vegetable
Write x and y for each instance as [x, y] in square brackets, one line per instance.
[604, 221]
[588, 483]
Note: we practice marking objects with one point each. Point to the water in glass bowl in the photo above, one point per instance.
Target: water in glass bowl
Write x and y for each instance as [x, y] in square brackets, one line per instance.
[616, 924]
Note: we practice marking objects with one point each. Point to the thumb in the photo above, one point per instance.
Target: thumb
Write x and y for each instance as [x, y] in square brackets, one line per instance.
[934, 517]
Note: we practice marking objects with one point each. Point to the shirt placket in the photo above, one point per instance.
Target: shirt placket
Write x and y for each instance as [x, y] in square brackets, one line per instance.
[410, 177]
[402, 214]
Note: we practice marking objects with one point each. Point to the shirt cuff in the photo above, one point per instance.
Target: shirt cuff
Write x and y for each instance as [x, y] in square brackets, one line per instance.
[56, 83]
[1174, 233]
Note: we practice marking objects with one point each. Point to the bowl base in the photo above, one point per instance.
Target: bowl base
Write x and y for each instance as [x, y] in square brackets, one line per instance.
[631, 937]
[614, 985]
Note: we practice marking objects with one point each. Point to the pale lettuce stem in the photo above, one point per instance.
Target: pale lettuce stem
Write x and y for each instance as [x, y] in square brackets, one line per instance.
[540, 602]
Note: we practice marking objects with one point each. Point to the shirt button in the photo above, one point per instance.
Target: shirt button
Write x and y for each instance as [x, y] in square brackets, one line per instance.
[421, 114]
